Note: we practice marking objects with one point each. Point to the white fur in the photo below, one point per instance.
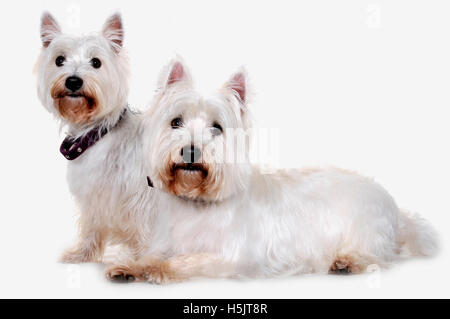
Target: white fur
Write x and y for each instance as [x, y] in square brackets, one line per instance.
[111, 80]
[106, 180]
[256, 225]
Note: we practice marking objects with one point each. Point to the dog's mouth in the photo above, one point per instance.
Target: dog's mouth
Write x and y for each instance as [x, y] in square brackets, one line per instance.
[187, 179]
[74, 95]
[77, 107]
[65, 95]
[190, 167]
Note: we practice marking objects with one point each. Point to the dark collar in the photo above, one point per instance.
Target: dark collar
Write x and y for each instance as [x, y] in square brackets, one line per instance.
[72, 148]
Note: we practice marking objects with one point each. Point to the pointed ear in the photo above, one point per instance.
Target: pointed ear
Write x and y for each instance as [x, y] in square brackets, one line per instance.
[49, 29]
[177, 73]
[113, 31]
[174, 73]
[238, 84]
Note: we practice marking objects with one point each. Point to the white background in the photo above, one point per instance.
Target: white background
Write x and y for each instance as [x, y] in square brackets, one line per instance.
[360, 84]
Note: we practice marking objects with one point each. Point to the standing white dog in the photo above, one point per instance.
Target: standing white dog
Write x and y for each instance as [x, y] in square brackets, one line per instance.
[221, 218]
[83, 81]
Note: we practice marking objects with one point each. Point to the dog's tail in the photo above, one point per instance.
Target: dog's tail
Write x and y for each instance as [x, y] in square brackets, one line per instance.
[417, 236]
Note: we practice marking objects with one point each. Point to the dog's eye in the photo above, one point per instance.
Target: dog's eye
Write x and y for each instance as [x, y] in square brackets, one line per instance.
[176, 122]
[96, 63]
[60, 61]
[216, 129]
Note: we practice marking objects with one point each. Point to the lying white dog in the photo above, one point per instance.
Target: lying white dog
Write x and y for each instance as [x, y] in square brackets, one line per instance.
[220, 218]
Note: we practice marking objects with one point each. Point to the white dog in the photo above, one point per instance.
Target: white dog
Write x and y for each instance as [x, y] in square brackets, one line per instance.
[83, 81]
[221, 218]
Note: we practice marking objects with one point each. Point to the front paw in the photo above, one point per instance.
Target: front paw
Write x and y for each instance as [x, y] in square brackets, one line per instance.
[159, 273]
[155, 272]
[120, 274]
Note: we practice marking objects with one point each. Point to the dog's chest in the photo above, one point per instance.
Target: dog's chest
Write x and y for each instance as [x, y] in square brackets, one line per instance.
[95, 176]
[194, 230]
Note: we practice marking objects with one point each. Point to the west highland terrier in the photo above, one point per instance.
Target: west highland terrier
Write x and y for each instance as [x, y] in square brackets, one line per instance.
[83, 81]
[220, 218]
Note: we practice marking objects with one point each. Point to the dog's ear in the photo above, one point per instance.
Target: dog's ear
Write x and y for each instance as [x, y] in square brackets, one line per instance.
[238, 85]
[49, 29]
[113, 31]
[176, 72]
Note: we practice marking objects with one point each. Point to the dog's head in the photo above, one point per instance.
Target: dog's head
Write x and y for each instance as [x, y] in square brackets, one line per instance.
[82, 79]
[198, 145]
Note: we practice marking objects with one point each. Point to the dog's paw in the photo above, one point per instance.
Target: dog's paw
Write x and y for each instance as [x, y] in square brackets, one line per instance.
[120, 274]
[153, 271]
[158, 276]
[344, 265]
[160, 273]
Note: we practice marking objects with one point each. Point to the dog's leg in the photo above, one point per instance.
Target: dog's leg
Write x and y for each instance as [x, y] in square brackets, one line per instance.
[175, 269]
[136, 246]
[90, 248]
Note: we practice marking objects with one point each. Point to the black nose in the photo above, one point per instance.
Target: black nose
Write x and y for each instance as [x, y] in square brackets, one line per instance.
[191, 154]
[74, 83]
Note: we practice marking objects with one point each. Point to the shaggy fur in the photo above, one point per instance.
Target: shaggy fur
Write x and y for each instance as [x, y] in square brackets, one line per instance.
[224, 218]
[106, 180]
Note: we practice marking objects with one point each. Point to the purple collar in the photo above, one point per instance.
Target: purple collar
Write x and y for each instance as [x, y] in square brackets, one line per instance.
[72, 148]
